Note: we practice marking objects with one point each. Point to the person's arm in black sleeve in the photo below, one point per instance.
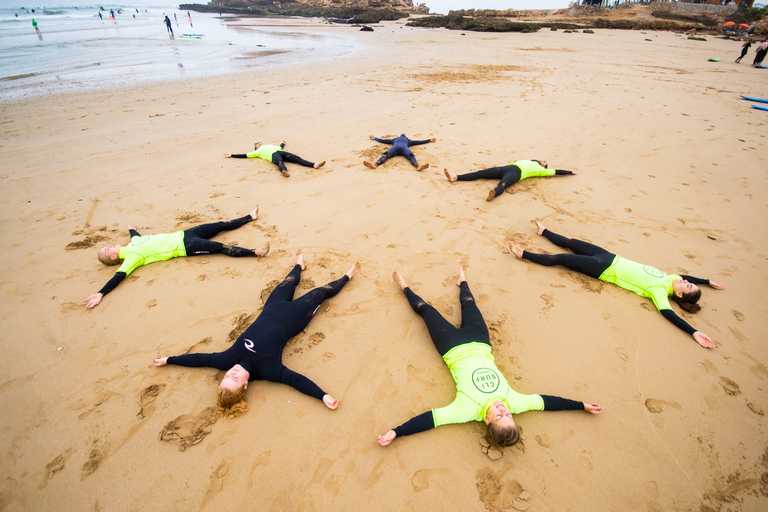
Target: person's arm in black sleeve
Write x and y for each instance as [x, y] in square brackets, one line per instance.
[112, 283]
[418, 142]
[562, 172]
[695, 280]
[384, 141]
[238, 155]
[555, 403]
[679, 322]
[218, 360]
[298, 382]
[420, 423]
[133, 233]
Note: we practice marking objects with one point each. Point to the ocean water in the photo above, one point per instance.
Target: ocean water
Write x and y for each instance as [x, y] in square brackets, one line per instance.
[78, 50]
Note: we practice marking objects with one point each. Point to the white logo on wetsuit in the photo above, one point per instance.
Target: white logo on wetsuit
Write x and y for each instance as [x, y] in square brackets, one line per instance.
[653, 271]
[249, 345]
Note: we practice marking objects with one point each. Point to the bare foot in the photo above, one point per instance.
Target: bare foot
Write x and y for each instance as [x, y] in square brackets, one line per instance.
[263, 251]
[540, 226]
[422, 167]
[300, 259]
[399, 280]
[285, 173]
[319, 164]
[451, 177]
[462, 275]
[370, 165]
[255, 213]
[491, 195]
[354, 270]
[516, 251]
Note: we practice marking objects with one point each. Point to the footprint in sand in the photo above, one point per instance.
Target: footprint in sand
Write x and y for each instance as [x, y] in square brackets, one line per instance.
[622, 354]
[218, 477]
[491, 451]
[189, 429]
[655, 406]
[147, 397]
[547, 441]
[730, 387]
[68, 307]
[151, 303]
[755, 409]
[500, 494]
[95, 458]
[54, 467]
[327, 356]
[739, 316]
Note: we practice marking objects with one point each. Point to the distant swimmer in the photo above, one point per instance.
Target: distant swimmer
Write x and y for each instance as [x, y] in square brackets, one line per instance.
[143, 250]
[277, 156]
[34, 24]
[509, 174]
[643, 280]
[167, 21]
[400, 146]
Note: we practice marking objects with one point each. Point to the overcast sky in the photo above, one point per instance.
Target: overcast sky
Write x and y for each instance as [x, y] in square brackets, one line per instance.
[443, 6]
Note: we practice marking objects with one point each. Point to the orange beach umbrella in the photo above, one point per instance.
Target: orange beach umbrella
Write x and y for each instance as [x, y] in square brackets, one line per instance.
[743, 25]
[729, 24]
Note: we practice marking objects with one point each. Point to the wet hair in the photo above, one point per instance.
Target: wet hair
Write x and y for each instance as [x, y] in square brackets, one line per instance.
[502, 436]
[688, 301]
[108, 261]
[226, 398]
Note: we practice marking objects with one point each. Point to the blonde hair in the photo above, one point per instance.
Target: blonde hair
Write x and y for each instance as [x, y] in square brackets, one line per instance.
[226, 398]
[107, 260]
[502, 436]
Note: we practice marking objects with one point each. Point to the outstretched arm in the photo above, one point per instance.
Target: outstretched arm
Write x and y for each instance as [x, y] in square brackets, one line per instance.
[218, 360]
[383, 141]
[420, 142]
[701, 338]
[298, 382]
[235, 155]
[420, 423]
[132, 231]
[93, 300]
[556, 403]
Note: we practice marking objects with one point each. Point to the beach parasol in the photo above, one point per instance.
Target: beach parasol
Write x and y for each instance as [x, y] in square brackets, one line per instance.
[743, 25]
[729, 24]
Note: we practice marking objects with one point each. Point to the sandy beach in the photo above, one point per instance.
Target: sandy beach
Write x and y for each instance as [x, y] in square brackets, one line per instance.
[672, 173]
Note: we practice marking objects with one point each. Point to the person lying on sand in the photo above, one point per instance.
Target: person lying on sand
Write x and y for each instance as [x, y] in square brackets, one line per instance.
[277, 156]
[143, 250]
[257, 353]
[482, 392]
[509, 174]
[643, 280]
[400, 146]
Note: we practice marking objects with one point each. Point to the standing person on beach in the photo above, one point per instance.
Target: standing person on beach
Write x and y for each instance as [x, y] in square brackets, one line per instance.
[167, 21]
[760, 53]
[744, 50]
[509, 174]
[277, 156]
[257, 353]
[34, 24]
[143, 250]
[400, 146]
[482, 392]
[643, 280]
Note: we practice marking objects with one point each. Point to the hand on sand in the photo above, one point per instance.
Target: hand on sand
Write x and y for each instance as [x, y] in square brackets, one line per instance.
[433, 139]
[703, 340]
[133, 228]
[387, 438]
[160, 361]
[593, 408]
[372, 137]
[93, 300]
[330, 402]
[227, 155]
[716, 286]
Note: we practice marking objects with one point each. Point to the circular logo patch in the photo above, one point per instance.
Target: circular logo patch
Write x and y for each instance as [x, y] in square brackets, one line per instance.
[653, 271]
[485, 380]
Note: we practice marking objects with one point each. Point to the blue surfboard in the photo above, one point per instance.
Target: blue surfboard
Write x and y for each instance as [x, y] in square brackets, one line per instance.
[751, 98]
[759, 107]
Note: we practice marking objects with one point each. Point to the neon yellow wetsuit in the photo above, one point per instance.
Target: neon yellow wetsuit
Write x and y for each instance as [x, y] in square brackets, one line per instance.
[532, 169]
[644, 280]
[264, 152]
[151, 248]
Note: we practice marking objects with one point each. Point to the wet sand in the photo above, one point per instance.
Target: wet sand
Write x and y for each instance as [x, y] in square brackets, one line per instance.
[672, 174]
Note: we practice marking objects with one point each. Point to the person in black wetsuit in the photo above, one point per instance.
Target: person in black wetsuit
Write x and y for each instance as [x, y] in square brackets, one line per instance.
[143, 250]
[509, 174]
[643, 280]
[744, 50]
[482, 392]
[400, 146]
[257, 353]
[167, 21]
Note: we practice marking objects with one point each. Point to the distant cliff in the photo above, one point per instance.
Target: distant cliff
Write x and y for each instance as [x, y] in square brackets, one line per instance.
[366, 11]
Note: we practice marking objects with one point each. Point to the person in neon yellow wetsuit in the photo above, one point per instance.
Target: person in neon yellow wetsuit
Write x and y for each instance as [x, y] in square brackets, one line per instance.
[277, 156]
[643, 280]
[143, 250]
[509, 174]
[482, 392]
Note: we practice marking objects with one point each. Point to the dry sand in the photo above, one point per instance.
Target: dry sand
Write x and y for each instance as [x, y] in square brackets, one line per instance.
[672, 174]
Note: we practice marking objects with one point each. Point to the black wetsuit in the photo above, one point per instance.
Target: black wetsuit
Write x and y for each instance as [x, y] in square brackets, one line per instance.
[260, 348]
[400, 146]
[507, 174]
[446, 337]
[195, 243]
[592, 260]
[744, 51]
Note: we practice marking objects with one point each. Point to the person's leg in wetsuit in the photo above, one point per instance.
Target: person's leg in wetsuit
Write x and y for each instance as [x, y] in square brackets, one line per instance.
[589, 259]
[394, 151]
[443, 334]
[507, 175]
[196, 240]
[279, 157]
